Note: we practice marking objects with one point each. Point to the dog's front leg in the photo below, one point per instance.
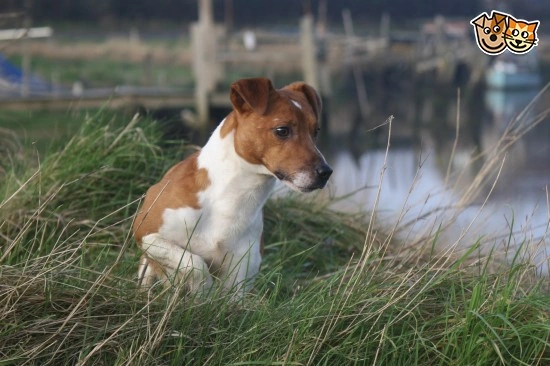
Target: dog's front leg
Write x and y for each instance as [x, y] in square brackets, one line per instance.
[239, 270]
[179, 264]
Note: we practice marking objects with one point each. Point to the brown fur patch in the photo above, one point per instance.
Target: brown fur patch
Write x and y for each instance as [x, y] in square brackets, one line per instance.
[178, 188]
[228, 126]
[253, 94]
[256, 143]
[311, 95]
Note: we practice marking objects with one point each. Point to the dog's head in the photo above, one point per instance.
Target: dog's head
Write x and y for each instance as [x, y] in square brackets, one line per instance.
[490, 32]
[278, 130]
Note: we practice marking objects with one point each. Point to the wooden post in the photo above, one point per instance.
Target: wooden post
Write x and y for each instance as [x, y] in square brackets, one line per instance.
[441, 49]
[200, 73]
[309, 59]
[205, 12]
[148, 69]
[385, 28]
[439, 25]
[325, 88]
[26, 60]
[206, 67]
[228, 17]
[360, 86]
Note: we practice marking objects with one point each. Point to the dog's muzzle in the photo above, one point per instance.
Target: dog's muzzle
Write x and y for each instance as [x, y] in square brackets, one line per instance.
[306, 180]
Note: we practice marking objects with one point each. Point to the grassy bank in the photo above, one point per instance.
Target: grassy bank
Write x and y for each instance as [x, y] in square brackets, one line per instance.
[105, 72]
[332, 290]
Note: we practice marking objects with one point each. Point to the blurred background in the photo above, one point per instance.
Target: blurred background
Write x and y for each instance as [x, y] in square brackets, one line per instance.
[453, 109]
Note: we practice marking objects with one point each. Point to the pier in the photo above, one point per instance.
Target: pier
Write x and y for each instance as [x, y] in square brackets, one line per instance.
[441, 48]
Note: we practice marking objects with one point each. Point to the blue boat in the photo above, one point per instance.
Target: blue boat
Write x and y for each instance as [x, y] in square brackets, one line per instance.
[11, 79]
[511, 71]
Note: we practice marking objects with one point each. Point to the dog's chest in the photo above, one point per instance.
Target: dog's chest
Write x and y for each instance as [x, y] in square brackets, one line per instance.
[225, 222]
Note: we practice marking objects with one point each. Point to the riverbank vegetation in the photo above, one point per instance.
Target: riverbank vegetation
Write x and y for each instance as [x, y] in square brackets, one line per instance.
[333, 289]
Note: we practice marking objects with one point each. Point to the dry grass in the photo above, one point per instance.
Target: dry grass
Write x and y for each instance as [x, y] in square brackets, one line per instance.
[333, 288]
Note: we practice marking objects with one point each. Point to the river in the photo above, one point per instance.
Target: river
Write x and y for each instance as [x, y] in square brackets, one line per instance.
[436, 184]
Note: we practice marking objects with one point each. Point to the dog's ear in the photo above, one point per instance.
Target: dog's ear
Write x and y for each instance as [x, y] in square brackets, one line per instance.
[311, 95]
[480, 20]
[251, 95]
[498, 17]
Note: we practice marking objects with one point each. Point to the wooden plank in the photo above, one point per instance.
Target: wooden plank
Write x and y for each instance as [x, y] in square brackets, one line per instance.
[115, 102]
[18, 33]
[308, 48]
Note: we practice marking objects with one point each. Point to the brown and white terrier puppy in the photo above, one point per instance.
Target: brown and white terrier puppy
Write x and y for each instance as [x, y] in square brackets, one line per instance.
[204, 218]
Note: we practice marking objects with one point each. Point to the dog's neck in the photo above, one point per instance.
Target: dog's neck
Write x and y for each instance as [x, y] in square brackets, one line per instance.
[231, 175]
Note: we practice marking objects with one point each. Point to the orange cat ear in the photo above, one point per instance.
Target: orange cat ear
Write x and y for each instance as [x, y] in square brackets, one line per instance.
[532, 27]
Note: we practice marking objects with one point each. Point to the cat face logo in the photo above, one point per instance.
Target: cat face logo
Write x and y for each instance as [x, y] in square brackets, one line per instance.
[489, 32]
[520, 35]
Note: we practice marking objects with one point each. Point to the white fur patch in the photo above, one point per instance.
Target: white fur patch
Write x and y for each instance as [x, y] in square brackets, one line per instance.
[300, 181]
[226, 231]
[179, 224]
[296, 104]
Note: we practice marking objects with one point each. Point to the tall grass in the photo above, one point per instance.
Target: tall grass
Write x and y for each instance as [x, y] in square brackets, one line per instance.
[327, 294]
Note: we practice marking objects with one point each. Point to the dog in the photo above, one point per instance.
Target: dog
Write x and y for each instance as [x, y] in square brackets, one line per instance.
[490, 32]
[203, 220]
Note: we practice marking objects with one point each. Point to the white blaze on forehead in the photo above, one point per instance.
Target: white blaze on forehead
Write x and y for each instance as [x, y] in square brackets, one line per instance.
[296, 104]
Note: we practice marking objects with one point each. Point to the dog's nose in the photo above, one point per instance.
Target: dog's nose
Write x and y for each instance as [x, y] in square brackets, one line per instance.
[493, 37]
[324, 171]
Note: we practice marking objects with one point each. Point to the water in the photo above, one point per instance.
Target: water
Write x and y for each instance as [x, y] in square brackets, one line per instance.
[412, 188]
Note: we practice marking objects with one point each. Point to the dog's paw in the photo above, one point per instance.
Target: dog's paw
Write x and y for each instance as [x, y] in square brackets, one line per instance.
[155, 247]
[199, 281]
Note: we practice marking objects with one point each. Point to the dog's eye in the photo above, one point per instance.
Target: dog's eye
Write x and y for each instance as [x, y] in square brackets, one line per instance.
[486, 30]
[282, 132]
[496, 29]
